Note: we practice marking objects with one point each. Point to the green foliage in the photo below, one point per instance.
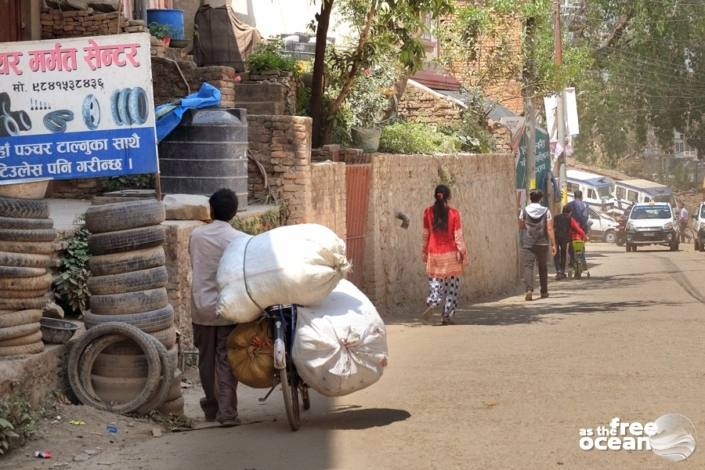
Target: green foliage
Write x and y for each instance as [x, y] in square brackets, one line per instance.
[473, 133]
[71, 286]
[267, 57]
[411, 138]
[118, 183]
[369, 99]
[160, 31]
[261, 223]
[17, 423]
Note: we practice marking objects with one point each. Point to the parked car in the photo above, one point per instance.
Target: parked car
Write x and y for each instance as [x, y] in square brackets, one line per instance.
[603, 227]
[699, 228]
[652, 224]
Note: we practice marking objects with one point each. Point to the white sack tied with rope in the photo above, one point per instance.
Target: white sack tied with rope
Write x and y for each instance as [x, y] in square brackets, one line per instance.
[341, 343]
[295, 264]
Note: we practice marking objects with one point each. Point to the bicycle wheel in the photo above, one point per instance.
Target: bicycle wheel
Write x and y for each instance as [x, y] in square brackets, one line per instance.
[291, 399]
[305, 400]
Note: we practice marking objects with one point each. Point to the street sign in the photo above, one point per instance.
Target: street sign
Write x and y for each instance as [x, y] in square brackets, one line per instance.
[77, 108]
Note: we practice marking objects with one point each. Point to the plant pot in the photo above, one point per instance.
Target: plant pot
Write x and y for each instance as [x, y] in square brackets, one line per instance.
[166, 40]
[366, 138]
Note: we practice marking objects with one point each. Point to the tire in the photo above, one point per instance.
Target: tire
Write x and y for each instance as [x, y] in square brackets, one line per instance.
[138, 106]
[114, 107]
[24, 340]
[17, 331]
[29, 248]
[124, 216]
[37, 303]
[126, 365]
[147, 279]
[148, 322]
[15, 272]
[105, 334]
[8, 126]
[18, 235]
[20, 317]
[35, 348]
[90, 111]
[22, 294]
[305, 400]
[24, 208]
[173, 407]
[122, 107]
[610, 236]
[130, 302]
[291, 399]
[27, 283]
[117, 389]
[5, 103]
[126, 240]
[119, 263]
[25, 224]
[21, 260]
[166, 336]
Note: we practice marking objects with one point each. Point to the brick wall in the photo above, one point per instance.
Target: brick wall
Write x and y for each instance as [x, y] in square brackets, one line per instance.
[483, 191]
[421, 104]
[69, 24]
[328, 196]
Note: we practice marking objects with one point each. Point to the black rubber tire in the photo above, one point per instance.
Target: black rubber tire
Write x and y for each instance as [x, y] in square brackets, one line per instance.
[20, 317]
[26, 350]
[151, 321]
[117, 389]
[26, 283]
[126, 365]
[18, 235]
[112, 332]
[167, 337]
[124, 215]
[37, 303]
[24, 340]
[172, 407]
[14, 272]
[130, 302]
[21, 260]
[147, 279]
[126, 240]
[24, 208]
[119, 263]
[291, 399]
[29, 248]
[22, 294]
[25, 224]
[11, 332]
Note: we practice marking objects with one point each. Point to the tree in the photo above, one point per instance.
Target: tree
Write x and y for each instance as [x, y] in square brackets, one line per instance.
[382, 27]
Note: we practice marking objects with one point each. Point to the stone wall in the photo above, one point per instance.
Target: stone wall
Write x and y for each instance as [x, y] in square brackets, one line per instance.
[168, 84]
[483, 191]
[422, 104]
[69, 24]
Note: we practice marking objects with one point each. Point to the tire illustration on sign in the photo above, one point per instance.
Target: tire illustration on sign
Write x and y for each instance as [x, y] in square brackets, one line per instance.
[129, 106]
[122, 107]
[114, 107]
[22, 119]
[56, 121]
[138, 106]
[91, 112]
[8, 126]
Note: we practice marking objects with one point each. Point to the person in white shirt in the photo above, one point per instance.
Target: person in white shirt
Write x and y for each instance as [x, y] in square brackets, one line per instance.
[682, 220]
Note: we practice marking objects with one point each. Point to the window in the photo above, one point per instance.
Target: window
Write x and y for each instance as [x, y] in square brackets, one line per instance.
[592, 194]
[632, 196]
[621, 193]
[572, 187]
[647, 199]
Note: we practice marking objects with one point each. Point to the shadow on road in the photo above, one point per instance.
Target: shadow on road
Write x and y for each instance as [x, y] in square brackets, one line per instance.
[358, 419]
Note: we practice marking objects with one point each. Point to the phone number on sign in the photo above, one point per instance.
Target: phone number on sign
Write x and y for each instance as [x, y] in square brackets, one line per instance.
[69, 85]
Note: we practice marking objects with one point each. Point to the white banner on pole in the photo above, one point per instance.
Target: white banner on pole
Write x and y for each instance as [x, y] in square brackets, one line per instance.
[571, 112]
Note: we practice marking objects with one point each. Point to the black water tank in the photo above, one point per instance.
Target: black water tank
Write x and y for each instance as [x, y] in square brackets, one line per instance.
[206, 152]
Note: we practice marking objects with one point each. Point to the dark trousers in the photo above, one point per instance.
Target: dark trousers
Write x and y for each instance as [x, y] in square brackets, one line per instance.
[536, 255]
[217, 380]
[561, 256]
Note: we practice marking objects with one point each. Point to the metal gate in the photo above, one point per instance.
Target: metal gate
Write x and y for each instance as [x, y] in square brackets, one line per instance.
[10, 20]
[357, 182]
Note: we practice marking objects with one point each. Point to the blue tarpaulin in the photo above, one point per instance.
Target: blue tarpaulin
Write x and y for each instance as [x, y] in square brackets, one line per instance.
[169, 115]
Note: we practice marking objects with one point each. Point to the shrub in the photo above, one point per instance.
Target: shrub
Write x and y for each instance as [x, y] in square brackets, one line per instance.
[268, 58]
[407, 137]
[71, 286]
[473, 134]
[17, 424]
[118, 183]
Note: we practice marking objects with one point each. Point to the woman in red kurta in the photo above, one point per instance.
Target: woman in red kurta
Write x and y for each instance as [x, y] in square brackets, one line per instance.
[444, 254]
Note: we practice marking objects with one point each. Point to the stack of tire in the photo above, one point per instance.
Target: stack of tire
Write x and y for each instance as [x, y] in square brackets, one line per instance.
[27, 249]
[128, 285]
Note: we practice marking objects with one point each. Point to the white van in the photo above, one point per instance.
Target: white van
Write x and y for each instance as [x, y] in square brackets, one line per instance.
[596, 189]
[639, 191]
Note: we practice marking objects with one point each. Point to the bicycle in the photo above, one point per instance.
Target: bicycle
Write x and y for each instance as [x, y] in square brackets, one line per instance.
[578, 265]
[283, 322]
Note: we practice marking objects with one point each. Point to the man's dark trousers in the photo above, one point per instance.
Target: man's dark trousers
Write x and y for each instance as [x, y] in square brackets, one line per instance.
[536, 255]
[217, 380]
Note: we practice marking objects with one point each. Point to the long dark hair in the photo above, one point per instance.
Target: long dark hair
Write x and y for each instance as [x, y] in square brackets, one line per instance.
[440, 208]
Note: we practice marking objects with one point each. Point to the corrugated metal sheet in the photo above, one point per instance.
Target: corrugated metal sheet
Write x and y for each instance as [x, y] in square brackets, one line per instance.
[357, 181]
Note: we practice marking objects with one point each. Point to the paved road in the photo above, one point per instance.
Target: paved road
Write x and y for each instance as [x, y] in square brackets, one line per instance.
[507, 388]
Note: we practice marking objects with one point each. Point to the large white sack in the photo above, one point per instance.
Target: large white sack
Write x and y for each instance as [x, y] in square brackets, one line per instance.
[341, 343]
[295, 264]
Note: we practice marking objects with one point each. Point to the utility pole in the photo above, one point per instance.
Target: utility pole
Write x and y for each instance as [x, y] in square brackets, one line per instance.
[529, 111]
[560, 112]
